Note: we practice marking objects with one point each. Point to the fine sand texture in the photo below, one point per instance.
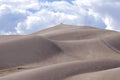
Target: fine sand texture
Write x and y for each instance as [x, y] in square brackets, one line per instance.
[62, 52]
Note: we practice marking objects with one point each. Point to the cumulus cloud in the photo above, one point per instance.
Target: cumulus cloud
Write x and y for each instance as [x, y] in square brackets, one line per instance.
[27, 16]
[107, 10]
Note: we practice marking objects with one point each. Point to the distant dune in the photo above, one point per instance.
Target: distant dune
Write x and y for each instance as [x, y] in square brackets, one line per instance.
[62, 52]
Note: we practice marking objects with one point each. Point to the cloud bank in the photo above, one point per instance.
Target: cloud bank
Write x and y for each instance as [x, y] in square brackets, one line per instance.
[27, 16]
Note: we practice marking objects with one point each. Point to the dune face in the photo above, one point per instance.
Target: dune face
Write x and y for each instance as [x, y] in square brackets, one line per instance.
[26, 50]
[62, 52]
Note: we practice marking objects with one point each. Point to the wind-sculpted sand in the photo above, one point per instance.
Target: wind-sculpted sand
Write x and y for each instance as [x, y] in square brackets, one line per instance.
[63, 52]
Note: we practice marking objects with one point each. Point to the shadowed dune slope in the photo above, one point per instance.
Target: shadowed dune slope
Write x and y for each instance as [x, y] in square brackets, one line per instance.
[26, 50]
[113, 41]
[63, 52]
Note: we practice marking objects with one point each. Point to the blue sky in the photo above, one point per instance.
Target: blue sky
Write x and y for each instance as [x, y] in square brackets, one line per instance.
[27, 16]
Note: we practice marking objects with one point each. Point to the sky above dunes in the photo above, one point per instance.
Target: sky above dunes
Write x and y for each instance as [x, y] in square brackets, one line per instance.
[27, 16]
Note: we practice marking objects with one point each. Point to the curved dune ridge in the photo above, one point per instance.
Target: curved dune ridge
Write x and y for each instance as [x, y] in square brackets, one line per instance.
[63, 52]
[26, 50]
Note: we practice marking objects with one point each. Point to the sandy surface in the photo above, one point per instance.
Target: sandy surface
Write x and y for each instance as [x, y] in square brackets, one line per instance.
[62, 52]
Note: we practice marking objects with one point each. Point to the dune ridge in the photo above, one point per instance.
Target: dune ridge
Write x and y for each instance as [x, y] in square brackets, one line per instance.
[63, 52]
[26, 50]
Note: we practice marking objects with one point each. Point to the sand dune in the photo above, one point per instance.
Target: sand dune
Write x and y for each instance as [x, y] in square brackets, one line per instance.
[63, 52]
[26, 50]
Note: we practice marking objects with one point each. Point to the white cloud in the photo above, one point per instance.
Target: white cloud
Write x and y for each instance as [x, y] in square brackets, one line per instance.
[9, 18]
[44, 18]
[26, 16]
[107, 10]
